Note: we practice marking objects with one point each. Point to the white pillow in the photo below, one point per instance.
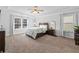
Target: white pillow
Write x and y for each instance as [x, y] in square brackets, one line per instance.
[43, 26]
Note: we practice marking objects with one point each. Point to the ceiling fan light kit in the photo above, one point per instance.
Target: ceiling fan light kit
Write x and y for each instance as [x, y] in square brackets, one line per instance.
[36, 9]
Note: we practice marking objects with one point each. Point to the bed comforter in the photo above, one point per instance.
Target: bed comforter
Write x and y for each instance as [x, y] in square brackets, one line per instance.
[33, 31]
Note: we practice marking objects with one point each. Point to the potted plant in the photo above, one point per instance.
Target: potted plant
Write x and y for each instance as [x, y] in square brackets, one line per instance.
[76, 35]
[76, 29]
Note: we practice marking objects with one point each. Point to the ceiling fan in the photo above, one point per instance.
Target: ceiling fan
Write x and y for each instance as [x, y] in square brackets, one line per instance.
[36, 9]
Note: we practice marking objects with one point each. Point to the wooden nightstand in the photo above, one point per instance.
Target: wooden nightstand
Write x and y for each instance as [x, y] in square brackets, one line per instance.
[2, 40]
[51, 32]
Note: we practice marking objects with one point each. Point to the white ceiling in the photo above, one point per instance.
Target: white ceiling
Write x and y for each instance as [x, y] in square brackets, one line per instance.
[47, 9]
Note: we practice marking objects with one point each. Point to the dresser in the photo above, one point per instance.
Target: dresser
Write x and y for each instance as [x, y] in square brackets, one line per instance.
[2, 40]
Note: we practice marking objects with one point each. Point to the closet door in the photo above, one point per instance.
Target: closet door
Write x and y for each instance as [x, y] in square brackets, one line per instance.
[68, 24]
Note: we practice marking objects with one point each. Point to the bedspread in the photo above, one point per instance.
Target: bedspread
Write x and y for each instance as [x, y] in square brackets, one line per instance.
[33, 31]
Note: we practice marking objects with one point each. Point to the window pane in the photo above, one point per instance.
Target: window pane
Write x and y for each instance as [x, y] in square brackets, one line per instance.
[68, 19]
[68, 23]
[17, 23]
[24, 23]
[68, 26]
[24, 20]
[17, 26]
[17, 20]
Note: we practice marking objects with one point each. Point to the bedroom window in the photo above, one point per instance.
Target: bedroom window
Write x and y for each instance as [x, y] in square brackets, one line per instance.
[24, 23]
[20, 23]
[68, 23]
[17, 23]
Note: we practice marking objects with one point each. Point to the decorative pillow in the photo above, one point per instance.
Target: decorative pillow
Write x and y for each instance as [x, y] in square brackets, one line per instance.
[43, 26]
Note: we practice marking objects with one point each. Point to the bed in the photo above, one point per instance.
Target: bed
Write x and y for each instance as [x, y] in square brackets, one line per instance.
[36, 32]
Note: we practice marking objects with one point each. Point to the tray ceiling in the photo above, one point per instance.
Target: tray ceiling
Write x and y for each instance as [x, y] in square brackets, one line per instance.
[47, 9]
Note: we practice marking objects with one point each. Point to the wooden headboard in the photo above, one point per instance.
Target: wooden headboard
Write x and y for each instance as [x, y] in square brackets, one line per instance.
[45, 24]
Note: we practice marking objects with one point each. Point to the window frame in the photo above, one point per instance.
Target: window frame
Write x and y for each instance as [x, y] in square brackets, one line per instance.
[19, 23]
[24, 23]
[69, 22]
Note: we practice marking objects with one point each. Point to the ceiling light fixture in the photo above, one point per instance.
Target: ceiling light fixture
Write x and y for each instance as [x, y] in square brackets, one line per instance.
[36, 9]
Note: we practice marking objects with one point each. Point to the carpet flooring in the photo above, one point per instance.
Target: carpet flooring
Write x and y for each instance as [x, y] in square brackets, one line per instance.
[45, 44]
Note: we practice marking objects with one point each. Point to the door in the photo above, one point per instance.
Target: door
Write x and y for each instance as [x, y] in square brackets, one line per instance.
[68, 24]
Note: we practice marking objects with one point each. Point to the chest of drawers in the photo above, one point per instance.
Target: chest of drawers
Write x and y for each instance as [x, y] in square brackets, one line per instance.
[2, 41]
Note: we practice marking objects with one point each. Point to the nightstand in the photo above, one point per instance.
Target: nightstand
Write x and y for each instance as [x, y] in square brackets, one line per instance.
[51, 32]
